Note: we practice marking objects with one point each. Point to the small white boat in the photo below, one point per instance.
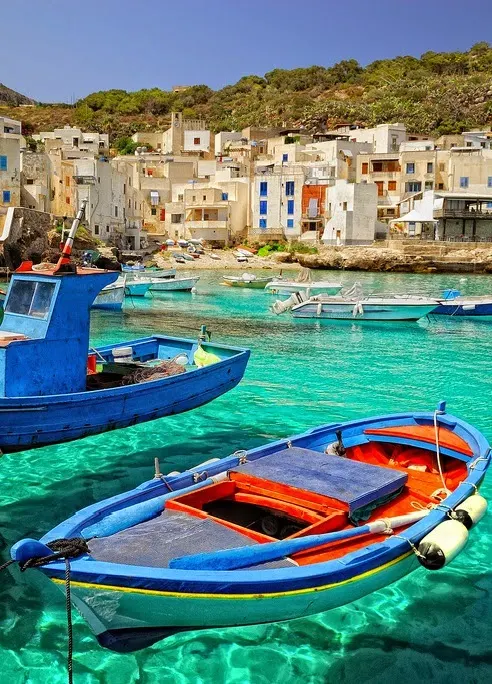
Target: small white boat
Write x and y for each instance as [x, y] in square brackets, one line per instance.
[138, 287]
[111, 297]
[247, 280]
[216, 257]
[174, 284]
[183, 243]
[304, 284]
[149, 273]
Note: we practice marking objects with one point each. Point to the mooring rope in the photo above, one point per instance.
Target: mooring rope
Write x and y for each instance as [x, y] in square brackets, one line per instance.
[66, 549]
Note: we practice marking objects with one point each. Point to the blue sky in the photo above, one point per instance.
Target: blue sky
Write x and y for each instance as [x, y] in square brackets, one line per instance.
[58, 50]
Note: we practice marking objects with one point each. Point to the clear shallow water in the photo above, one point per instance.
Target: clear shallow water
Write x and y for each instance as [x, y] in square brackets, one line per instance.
[432, 627]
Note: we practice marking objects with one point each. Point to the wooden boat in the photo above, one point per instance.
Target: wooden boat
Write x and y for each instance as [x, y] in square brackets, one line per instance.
[174, 284]
[61, 393]
[138, 287]
[369, 308]
[247, 280]
[293, 528]
[151, 273]
[303, 284]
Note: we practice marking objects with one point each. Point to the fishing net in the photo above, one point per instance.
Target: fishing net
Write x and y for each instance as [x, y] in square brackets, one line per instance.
[163, 370]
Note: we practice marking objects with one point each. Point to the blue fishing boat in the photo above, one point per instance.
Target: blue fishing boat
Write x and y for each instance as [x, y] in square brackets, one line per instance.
[54, 389]
[293, 528]
[454, 304]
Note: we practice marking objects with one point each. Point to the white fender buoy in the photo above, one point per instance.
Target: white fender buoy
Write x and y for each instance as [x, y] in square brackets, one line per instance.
[471, 511]
[442, 545]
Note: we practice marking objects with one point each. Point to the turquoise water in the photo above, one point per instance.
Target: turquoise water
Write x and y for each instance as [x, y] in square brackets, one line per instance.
[432, 627]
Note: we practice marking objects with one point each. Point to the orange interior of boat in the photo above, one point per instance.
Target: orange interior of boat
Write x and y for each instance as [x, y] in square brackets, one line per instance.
[290, 512]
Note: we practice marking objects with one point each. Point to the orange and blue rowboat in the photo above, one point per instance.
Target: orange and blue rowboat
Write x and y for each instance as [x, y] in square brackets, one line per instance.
[293, 528]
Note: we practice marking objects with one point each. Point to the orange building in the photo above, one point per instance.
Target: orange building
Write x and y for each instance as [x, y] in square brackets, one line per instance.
[313, 207]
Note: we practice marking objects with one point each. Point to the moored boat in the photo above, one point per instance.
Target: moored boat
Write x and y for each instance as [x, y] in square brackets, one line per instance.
[303, 284]
[459, 306]
[174, 284]
[296, 527]
[111, 297]
[247, 280]
[138, 287]
[65, 390]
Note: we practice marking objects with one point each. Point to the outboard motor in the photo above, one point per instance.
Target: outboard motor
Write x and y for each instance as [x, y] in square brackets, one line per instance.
[295, 298]
[336, 448]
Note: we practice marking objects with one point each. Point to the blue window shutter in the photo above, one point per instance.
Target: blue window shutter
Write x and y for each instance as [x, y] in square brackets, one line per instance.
[290, 206]
[289, 188]
[290, 223]
[410, 167]
[6, 196]
[3, 162]
[464, 181]
[263, 223]
[489, 182]
[263, 189]
[263, 207]
[285, 157]
[225, 196]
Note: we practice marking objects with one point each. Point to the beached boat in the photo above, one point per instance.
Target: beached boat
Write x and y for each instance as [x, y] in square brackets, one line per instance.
[151, 273]
[247, 280]
[174, 284]
[290, 529]
[66, 390]
[304, 284]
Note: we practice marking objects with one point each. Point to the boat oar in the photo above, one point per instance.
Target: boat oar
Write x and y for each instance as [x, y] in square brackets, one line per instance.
[245, 556]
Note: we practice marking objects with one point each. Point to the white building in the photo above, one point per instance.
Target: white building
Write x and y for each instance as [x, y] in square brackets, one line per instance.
[11, 141]
[276, 201]
[383, 138]
[69, 137]
[352, 211]
[223, 139]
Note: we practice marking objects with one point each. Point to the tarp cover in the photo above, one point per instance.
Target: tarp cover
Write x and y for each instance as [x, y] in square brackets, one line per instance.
[353, 483]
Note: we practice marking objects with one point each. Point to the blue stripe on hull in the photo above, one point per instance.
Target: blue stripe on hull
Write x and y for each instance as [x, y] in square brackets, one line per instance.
[450, 310]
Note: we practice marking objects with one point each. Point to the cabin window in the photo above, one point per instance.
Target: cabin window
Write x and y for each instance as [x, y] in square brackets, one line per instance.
[30, 298]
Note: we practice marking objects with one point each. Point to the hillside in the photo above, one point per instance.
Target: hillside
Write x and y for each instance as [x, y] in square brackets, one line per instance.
[436, 93]
[11, 98]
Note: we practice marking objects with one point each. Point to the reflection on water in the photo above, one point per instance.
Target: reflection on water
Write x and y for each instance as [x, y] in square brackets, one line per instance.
[427, 626]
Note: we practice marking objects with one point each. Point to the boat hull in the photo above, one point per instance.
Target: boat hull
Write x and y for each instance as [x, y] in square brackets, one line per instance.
[29, 422]
[136, 288]
[370, 312]
[127, 620]
[246, 284]
[309, 289]
[174, 285]
[110, 299]
[470, 309]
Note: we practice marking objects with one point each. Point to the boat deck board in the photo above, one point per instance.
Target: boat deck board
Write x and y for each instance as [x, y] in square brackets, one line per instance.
[172, 534]
[353, 483]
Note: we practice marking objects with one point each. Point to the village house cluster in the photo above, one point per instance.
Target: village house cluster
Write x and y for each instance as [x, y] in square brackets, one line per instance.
[347, 186]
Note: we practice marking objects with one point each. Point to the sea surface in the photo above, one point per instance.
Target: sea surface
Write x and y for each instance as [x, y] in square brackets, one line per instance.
[431, 627]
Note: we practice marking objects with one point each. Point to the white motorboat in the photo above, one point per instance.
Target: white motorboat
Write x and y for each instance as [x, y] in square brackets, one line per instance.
[174, 284]
[304, 284]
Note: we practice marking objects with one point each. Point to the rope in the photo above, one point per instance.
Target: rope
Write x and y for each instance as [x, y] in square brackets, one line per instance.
[438, 453]
[66, 549]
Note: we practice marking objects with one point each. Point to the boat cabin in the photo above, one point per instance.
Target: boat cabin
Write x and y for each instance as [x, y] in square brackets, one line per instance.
[44, 335]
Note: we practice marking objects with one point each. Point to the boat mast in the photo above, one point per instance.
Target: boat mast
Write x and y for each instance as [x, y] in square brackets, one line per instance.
[64, 264]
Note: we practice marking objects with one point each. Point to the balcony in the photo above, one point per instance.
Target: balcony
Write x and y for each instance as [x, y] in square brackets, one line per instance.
[85, 180]
[208, 230]
[463, 214]
[386, 175]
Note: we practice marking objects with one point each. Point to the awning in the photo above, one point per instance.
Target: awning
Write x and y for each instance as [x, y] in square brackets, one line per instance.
[414, 216]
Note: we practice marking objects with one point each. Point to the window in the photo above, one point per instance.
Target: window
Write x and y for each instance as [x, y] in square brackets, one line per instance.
[193, 199]
[290, 223]
[464, 181]
[6, 196]
[380, 185]
[116, 212]
[129, 204]
[285, 157]
[150, 172]
[430, 167]
[441, 167]
[204, 198]
[440, 186]
[196, 141]
[67, 200]
[263, 207]
[30, 298]
[377, 167]
[489, 205]
[290, 206]
[365, 168]
[469, 144]
[411, 167]
[391, 186]
[390, 211]
[489, 182]
[289, 188]
[428, 185]
[263, 189]
[96, 229]
[344, 207]
[180, 197]
[3, 162]
[153, 211]
[67, 180]
[162, 216]
[225, 196]
[124, 188]
[29, 181]
[176, 218]
[262, 223]
[413, 186]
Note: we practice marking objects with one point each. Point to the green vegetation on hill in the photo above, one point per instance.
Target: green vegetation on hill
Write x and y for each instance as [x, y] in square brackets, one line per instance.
[437, 93]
